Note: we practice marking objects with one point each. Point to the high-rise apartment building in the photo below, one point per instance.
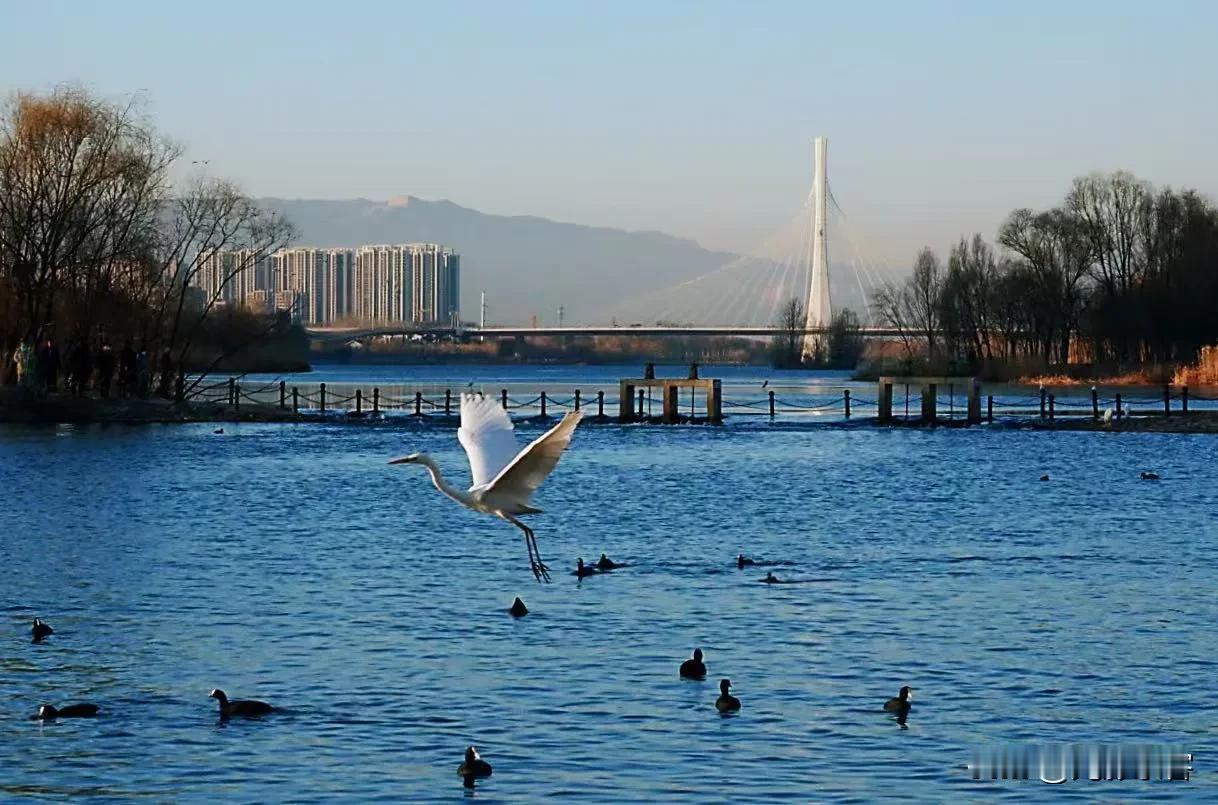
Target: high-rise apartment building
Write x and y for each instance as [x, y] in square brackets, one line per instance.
[381, 284]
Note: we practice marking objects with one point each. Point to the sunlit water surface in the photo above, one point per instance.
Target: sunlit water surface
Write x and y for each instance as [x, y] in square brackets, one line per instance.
[291, 563]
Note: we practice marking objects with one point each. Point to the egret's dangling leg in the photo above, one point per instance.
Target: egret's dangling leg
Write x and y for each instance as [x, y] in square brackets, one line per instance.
[540, 571]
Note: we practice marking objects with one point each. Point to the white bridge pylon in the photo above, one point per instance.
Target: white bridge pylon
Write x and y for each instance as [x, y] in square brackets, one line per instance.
[819, 308]
[756, 286]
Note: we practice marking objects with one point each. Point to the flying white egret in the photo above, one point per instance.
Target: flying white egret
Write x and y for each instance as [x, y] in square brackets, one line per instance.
[504, 480]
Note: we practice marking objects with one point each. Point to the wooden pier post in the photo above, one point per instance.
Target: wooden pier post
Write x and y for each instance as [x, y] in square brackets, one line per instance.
[989, 409]
[323, 398]
[237, 396]
[670, 414]
[974, 404]
[1042, 402]
[418, 403]
[448, 402]
[503, 398]
[640, 404]
[376, 399]
[771, 403]
[600, 403]
[283, 395]
[359, 401]
[1052, 399]
[930, 402]
[1095, 404]
[295, 400]
[543, 405]
[714, 403]
[232, 393]
[1166, 399]
[1118, 406]
[884, 404]
[625, 402]
[577, 399]
[846, 401]
[1184, 399]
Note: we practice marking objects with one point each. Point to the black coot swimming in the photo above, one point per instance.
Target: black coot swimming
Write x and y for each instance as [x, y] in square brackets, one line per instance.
[49, 712]
[246, 708]
[726, 703]
[518, 609]
[474, 767]
[694, 668]
[899, 704]
[742, 561]
[605, 563]
[1150, 476]
[41, 630]
[582, 570]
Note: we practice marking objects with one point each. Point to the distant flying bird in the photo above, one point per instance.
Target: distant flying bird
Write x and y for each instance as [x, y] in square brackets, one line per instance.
[504, 480]
[766, 383]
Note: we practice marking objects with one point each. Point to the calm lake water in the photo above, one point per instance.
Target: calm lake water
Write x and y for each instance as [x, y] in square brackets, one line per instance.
[290, 563]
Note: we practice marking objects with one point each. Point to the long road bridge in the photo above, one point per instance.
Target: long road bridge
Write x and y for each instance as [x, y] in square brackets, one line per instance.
[336, 334]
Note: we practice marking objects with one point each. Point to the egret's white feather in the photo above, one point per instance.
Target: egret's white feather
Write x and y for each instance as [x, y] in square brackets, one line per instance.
[488, 437]
[515, 484]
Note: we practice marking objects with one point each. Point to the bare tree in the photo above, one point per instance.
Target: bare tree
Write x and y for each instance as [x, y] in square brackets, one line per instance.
[94, 238]
[788, 346]
[889, 305]
[80, 184]
[921, 297]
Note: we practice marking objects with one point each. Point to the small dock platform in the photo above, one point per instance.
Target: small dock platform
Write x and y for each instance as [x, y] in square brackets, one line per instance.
[632, 389]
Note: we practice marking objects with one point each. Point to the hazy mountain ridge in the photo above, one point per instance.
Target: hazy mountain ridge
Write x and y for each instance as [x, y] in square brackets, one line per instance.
[526, 264]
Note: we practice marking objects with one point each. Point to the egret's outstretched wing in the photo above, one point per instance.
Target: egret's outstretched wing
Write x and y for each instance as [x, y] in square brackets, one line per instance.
[520, 479]
[487, 435]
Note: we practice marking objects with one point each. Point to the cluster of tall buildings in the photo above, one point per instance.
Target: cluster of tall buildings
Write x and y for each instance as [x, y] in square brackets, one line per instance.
[410, 282]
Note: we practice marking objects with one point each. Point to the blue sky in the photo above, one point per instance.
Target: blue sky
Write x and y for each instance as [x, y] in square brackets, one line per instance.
[691, 118]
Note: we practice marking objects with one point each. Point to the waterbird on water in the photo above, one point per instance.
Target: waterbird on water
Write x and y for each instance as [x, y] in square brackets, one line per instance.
[474, 766]
[1044, 477]
[49, 712]
[770, 578]
[248, 708]
[605, 563]
[726, 703]
[743, 560]
[504, 479]
[1150, 476]
[41, 630]
[694, 668]
[518, 609]
[899, 704]
[582, 570]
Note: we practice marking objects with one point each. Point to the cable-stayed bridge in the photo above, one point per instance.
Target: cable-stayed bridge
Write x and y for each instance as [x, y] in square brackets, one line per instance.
[748, 297]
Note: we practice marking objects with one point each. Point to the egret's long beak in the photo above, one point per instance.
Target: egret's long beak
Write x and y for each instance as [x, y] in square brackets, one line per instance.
[403, 460]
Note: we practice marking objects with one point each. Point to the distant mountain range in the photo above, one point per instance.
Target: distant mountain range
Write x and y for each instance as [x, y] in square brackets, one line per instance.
[527, 265]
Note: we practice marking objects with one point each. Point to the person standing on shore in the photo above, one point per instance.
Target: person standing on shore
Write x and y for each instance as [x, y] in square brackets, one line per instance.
[26, 358]
[165, 366]
[105, 368]
[126, 370]
[80, 363]
[143, 374]
[48, 359]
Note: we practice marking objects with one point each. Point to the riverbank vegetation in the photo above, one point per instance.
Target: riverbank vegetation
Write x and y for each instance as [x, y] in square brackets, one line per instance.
[1119, 279]
[103, 232]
